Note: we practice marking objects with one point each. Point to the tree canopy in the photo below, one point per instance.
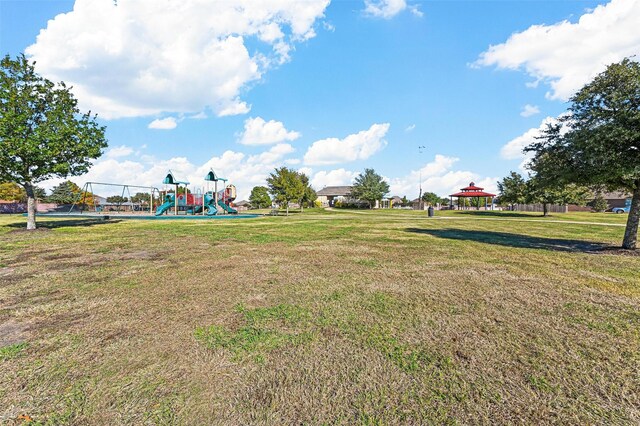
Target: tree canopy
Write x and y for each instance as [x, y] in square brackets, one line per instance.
[42, 132]
[370, 187]
[597, 143]
[512, 189]
[285, 185]
[431, 198]
[259, 197]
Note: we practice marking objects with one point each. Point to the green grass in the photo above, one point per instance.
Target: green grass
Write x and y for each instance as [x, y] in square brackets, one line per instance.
[322, 317]
[12, 351]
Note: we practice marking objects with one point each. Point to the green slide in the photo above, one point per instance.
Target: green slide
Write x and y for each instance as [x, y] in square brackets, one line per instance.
[164, 207]
[227, 207]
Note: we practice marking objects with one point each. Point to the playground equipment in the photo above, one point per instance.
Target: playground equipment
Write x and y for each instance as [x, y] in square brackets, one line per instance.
[204, 203]
[88, 199]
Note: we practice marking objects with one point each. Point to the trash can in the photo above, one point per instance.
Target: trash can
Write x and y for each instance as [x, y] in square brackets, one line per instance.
[430, 211]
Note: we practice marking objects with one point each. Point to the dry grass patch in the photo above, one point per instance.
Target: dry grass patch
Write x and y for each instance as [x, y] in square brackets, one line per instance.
[338, 318]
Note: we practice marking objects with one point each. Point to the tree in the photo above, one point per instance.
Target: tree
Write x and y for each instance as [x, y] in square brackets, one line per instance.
[259, 197]
[66, 193]
[140, 198]
[10, 191]
[599, 203]
[370, 187]
[285, 185]
[598, 142]
[431, 198]
[117, 199]
[404, 201]
[513, 189]
[540, 191]
[309, 195]
[42, 133]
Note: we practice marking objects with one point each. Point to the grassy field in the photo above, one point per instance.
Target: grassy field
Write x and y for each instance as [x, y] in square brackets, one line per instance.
[326, 317]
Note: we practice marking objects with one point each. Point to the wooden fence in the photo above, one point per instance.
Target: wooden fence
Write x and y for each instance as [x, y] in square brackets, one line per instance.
[551, 208]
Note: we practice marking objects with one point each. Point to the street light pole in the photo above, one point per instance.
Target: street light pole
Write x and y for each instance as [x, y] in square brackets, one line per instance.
[420, 206]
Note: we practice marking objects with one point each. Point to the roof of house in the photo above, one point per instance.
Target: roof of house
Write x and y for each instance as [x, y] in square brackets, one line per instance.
[334, 191]
[618, 195]
[242, 203]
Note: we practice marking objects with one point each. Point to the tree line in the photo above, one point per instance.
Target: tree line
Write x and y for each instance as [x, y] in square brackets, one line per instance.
[596, 144]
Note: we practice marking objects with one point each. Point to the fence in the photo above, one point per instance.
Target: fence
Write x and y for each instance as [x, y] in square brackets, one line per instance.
[551, 208]
[15, 208]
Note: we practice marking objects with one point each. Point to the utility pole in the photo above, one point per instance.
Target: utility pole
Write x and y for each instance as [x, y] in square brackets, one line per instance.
[420, 206]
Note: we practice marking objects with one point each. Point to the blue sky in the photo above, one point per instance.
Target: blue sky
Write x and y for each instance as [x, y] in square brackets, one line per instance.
[325, 87]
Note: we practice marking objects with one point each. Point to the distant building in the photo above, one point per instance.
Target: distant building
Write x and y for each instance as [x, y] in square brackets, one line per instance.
[328, 195]
[614, 199]
[242, 205]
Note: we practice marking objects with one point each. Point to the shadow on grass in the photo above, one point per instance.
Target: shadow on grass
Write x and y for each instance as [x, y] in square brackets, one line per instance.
[490, 213]
[513, 240]
[65, 223]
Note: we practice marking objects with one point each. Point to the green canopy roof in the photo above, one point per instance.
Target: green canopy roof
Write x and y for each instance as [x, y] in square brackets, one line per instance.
[171, 180]
[211, 176]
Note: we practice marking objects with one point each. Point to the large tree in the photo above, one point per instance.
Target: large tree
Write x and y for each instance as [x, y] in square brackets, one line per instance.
[285, 185]
[259, 197]
[598, 142]
[42, 132]
[370, 187]
[513, 189]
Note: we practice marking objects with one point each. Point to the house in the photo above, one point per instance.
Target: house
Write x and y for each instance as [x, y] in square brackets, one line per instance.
[328, 195]
[242, 205]
[614, 199]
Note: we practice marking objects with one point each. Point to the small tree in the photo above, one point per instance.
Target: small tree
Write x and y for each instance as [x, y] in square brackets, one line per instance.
[599, 203]
[404, 201]
[370, 187]
[513, 189]
[285, 185]
[65, 193]
[598, 143]
[259, 197]
[431, 198]
[42, 133]
[117, 199]
[540, 191]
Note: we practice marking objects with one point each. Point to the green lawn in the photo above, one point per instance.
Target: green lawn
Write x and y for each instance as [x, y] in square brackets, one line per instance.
[325, 317]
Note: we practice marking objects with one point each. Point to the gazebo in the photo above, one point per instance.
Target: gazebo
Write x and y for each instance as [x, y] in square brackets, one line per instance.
[473, 191]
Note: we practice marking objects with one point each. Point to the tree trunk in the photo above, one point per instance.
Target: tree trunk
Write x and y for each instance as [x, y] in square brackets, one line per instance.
[31, 206]
[545, 209]
[287, 209]
[631, 231]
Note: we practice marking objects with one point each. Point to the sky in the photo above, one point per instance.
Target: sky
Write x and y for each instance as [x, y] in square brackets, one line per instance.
[437, 93]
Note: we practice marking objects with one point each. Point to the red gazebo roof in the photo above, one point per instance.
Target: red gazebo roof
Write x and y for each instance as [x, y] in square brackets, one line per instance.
[472, 191]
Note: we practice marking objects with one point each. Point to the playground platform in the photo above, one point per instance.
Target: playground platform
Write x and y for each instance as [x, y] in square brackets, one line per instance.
[146, 216]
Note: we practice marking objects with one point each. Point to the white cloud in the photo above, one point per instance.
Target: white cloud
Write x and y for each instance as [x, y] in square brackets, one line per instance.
[385, 9]
[438, 176]
[410, 128]
[122, 60]
[359, 146]
[167, 123]
[415, 11]
[119, 151]
[257, 131]
[529, 110]
[335, 177]
[567, 55]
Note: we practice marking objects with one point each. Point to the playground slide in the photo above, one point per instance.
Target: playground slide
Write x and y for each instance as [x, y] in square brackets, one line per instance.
[227, 207]
[164, 207]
